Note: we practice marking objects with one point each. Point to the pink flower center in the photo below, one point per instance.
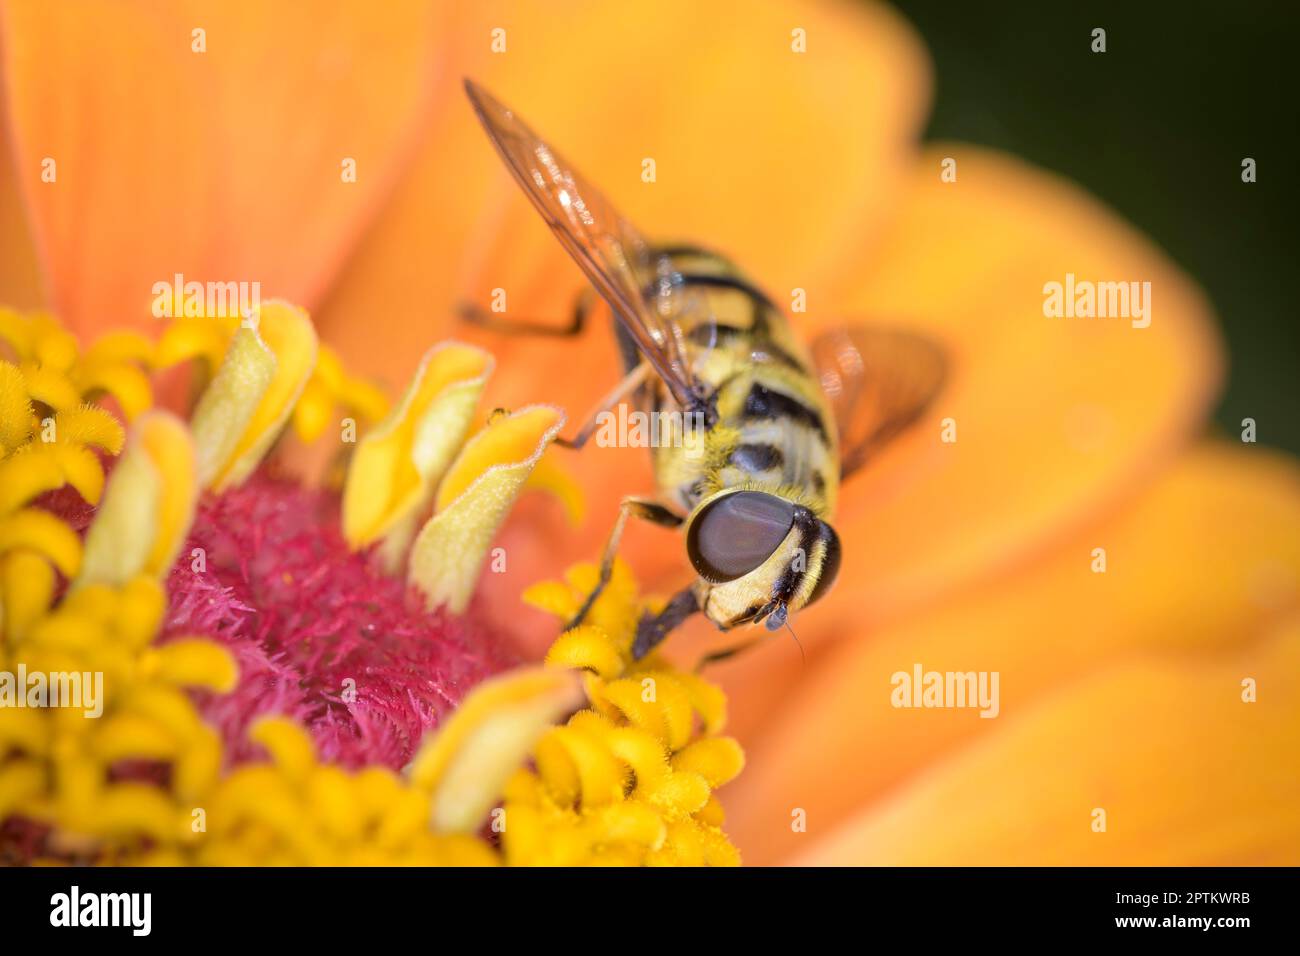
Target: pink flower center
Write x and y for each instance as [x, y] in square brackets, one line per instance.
[320, 634]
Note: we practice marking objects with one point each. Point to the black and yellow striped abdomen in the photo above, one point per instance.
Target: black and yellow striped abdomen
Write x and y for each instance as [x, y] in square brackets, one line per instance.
[775, 431]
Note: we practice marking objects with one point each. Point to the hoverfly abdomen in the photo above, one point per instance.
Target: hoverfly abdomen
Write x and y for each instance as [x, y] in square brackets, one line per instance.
[767, 404]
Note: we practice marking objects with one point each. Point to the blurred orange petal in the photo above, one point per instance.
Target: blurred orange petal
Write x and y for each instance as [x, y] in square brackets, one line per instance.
[1055, 418]
[1209, 554]
[1185, 771]
[739, 126]
[20, 275]
[226, 164]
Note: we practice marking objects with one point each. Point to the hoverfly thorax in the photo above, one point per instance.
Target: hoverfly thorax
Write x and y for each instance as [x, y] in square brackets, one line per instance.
[758, 556]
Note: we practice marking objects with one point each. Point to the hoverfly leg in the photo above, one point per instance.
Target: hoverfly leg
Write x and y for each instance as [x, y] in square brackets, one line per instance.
[653, 628]
[726, 653]
[642, 508]
[631, 383]
[583, 304]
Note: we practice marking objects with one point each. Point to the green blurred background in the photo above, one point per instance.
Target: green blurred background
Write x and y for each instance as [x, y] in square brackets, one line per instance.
[1156, 127]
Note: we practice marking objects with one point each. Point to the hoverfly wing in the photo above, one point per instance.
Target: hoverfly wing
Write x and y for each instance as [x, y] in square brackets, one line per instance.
[617, 261]
[879, 381]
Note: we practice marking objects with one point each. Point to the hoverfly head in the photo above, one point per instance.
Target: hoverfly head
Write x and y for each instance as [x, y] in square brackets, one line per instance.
[759, 556]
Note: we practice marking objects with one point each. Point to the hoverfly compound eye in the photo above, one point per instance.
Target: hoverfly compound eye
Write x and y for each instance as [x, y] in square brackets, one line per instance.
[830, 566]
[734, 534]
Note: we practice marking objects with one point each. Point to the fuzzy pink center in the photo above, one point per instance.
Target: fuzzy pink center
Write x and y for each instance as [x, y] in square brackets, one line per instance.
[320, 634]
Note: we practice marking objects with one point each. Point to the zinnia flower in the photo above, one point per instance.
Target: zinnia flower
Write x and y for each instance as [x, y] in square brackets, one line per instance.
[328, 155]
[313, 672]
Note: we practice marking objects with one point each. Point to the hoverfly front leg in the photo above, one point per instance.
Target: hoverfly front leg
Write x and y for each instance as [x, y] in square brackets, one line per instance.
[642, 508]
[652, 629]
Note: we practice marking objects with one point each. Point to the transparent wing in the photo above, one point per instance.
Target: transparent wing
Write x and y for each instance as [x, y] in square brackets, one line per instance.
[879, 381]
[616, 259]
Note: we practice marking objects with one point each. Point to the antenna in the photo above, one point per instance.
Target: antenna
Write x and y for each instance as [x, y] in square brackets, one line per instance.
[803, 660]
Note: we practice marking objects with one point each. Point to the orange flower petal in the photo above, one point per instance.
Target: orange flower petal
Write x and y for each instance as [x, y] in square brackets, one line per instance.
[20, 274]
[1185, 771]
[1209, 553]
[741, 129]
[1055, 417]
[221, 165]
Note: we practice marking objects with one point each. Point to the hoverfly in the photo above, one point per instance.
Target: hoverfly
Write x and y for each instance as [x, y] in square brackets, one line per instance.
[766, 428]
